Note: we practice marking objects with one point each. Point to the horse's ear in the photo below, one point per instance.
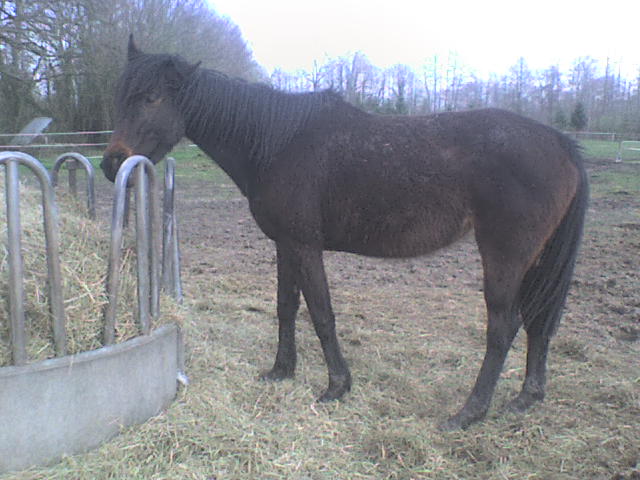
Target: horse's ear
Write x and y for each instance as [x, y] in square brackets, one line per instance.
[192, 69]
[132, 49]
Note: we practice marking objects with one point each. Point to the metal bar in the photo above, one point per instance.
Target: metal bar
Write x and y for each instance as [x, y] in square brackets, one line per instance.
[167, 226]
[142, 248]
[16, 288]
[146, 276]
[54, 134]
[177, 281]
[170, 248]
[76, 158]
[52, 238]
[57, 145]
[113, 270]
[155, 235]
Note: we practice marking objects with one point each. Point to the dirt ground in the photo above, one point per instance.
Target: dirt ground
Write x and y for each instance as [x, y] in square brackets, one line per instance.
[219, 236]
[413, 333]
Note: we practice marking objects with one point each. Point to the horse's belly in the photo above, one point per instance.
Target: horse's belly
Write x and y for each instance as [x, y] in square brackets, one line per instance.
[397, 237]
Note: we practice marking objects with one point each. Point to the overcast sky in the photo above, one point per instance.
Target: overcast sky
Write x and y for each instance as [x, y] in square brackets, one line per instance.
[488, 35]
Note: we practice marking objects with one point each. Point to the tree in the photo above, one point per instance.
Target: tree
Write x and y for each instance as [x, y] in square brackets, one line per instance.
[519, 82]
[560, 120]
[400, 77]
[551, 90]
[579, 117]
[61, 58]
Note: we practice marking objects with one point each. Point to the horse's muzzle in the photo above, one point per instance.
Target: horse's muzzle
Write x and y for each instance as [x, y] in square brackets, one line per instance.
[111, 162]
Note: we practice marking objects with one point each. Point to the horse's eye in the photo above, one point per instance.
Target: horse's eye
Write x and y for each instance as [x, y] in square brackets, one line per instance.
[152, 98]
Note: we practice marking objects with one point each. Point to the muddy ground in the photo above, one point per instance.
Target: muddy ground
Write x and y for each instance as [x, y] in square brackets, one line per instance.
[219, 236]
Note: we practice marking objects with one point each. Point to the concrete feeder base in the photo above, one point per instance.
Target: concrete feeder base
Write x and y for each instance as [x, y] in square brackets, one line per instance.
[69, 405]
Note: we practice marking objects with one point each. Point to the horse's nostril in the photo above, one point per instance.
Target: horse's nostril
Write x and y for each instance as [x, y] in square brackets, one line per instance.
[111, 162]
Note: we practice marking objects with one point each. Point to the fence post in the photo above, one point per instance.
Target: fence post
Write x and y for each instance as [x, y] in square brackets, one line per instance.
[76, 159]
[146, 241]
[12, 160]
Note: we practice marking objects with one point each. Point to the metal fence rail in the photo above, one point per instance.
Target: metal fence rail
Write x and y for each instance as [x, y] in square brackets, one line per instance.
[632, 145]
[11, 162]
[50, 144]
[30, 137]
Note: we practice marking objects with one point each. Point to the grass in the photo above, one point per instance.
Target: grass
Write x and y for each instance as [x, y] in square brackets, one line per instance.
[609, 150]
[408, 373]
[192, 163]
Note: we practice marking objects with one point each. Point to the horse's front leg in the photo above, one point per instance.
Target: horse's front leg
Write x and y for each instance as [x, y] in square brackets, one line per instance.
[288, 303]
[312, 280]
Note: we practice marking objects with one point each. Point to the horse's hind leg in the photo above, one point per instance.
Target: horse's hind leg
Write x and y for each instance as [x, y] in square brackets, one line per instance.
[535, 378]
[501, 283]
[288, 304]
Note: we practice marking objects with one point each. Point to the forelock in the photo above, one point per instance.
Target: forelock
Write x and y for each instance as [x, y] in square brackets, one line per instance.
[144, 73]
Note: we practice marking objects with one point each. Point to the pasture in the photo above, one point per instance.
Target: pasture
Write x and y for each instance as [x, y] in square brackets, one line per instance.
[413, 333]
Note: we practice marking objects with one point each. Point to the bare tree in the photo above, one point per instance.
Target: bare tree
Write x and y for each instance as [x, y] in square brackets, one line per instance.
[62, 57]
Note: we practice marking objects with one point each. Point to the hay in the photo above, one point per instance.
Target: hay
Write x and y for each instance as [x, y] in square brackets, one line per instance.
[414, 352]
[84, 247]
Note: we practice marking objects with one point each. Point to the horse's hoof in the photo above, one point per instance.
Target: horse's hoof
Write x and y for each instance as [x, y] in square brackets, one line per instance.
[276, 375]
[338, 386]
[522, 403]
[331, 395]
[450, 425]
[455, 422]
[460, 421]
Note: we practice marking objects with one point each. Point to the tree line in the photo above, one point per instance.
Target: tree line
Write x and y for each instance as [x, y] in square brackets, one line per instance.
[61, 58]
[589, 96]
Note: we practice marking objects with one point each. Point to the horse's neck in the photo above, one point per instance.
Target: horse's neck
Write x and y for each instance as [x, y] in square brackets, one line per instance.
[243, 126]
[234, 163]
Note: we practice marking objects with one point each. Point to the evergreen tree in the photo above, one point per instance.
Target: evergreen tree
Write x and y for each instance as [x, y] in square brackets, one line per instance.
[579, 117]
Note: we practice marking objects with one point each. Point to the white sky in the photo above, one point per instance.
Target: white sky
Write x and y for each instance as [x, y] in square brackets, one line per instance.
[488, 35]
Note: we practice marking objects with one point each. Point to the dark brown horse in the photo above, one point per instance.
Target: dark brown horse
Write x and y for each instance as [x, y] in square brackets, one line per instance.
[320, 174]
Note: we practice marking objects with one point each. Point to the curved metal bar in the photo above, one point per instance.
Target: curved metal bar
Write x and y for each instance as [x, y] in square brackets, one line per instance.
[170, 247]
[146, 244]
[16, 287]
[88, 167]
[142, 249]
[52, 238]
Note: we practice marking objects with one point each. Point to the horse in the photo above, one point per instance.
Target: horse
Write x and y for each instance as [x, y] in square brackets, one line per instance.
[323, 175]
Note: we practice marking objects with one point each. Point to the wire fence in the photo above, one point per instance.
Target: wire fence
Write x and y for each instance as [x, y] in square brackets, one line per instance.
[88, 143]
[628, 146]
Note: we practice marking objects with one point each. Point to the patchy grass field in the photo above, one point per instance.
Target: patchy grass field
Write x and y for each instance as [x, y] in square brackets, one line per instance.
[413, 333]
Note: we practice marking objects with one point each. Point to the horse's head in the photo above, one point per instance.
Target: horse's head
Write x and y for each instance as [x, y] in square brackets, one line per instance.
[148, 120]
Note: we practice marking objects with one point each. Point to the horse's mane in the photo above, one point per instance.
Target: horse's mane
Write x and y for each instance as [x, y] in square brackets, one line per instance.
[255, 116]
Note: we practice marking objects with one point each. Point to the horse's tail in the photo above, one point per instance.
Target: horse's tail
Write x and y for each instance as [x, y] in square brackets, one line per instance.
[545, 285]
